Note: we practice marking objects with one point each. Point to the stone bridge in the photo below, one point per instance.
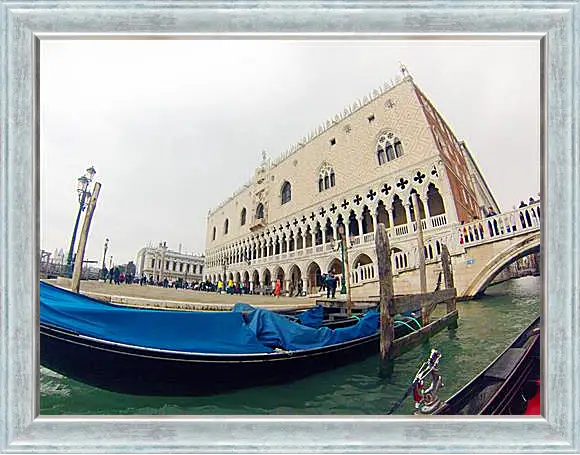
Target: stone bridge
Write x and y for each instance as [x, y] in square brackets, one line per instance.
[479, 251]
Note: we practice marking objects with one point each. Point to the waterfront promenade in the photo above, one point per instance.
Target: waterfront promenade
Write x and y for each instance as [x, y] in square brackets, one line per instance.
[159, 297]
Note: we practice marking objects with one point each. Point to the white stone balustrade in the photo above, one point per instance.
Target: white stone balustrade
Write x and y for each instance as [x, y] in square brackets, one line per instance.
[508, 224]
[362, 274]
[456, 237]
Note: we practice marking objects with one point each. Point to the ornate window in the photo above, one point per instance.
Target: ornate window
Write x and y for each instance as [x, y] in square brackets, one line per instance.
[260, 211]
[243, 217]
[326, 178]
[389, 147]
[286, 192]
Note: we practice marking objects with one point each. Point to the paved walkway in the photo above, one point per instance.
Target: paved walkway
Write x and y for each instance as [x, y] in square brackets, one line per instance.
[158, 297]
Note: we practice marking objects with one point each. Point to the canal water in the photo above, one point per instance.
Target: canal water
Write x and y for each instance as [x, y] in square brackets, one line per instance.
[486, 327]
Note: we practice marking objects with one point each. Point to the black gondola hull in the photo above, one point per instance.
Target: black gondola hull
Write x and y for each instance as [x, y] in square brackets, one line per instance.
[502, 387]
[140, 371]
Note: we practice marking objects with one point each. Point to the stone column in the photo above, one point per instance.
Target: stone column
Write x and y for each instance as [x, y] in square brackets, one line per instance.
[373, 221]
[409, 221]
[425, 201]
[391, 220]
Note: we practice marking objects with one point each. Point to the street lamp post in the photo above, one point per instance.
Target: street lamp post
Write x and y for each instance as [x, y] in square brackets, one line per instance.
[83, 192]
[342, 242]
[104, 256]
[225, 264]
[345, 286]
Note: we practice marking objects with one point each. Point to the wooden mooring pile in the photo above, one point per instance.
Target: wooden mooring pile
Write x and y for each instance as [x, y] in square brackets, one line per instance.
[391, 305]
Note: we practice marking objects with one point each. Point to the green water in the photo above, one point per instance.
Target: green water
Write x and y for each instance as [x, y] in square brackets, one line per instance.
[486, 327]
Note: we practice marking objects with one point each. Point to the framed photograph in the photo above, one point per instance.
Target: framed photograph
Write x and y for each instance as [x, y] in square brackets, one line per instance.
[81, 81]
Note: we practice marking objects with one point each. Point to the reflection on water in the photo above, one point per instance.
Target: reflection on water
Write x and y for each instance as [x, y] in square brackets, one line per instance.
[486, 327]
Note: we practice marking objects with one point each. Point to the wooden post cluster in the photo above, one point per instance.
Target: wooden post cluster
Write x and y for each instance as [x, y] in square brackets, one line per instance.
[386, 296]
[448, 278]
[76, 279]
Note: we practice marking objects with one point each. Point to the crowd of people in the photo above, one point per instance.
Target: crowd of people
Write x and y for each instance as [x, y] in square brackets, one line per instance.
[327, 282]
[115, 275]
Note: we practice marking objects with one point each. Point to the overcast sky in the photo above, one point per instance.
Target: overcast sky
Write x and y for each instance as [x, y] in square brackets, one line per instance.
[175, 127]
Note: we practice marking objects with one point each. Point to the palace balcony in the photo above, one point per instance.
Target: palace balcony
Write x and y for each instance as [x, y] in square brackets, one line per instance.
[258, 223]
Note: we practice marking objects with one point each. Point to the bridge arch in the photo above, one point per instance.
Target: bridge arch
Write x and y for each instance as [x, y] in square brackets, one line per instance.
[526, 245]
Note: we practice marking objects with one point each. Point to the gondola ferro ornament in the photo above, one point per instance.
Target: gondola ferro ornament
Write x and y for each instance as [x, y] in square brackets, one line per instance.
[427, 401]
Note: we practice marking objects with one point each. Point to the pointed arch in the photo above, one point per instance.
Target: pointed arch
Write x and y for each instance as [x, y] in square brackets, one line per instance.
[299, 240]
[314, 275]
[419, 203]
[335, 266]
[295, 277]
[308, 237]
[260, 211]
[382, 215]
[398, 148]
[326, 177]
[399, 213]
[367, 221]
[389, 147]
[318, 234]
[285, 193]
[329, 230]
[266, 277]
[434, 201]
[362, 259]
[353, 224]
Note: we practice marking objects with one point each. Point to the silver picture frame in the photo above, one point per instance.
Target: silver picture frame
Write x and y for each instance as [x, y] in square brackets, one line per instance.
[24, 24]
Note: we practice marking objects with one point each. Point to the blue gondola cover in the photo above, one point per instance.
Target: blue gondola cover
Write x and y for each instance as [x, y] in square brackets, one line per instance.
[245, 330]
[205, 332]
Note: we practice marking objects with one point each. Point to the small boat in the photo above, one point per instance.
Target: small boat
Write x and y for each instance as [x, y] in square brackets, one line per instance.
[510, 385]
[182, 353]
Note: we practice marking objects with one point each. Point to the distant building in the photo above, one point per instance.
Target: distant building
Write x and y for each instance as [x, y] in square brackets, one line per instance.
[160, 263]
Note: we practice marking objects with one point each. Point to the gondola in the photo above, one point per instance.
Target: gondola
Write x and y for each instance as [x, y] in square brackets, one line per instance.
[510, 385]
[181, 353]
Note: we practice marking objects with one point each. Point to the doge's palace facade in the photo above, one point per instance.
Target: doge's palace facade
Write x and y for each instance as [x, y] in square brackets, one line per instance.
[356, 170]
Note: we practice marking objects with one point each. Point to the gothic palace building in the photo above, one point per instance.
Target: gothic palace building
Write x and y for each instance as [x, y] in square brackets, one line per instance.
[357, 170]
